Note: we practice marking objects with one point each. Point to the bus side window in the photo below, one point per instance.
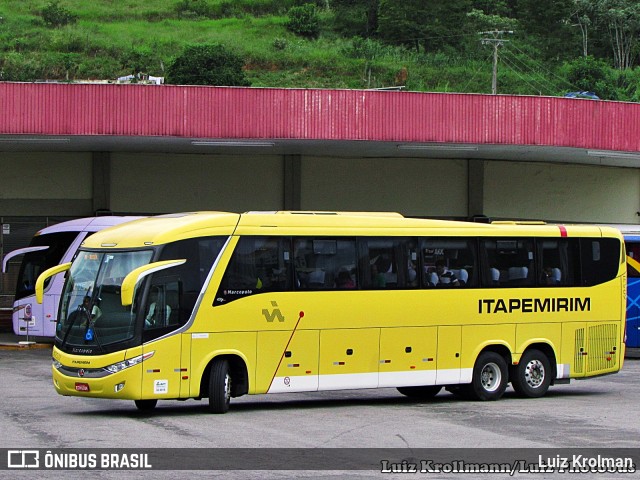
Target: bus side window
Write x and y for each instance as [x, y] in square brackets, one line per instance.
[448, 262]
[258, 264]
[600, 259]
[508, 262]
[388, 262]
[325, 263]
[557, 262]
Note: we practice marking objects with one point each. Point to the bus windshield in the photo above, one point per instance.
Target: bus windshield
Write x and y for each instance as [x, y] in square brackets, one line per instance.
[34, 263]
[91, 312]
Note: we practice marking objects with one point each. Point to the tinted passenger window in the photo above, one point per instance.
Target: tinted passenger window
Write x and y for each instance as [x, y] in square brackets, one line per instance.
[509, 262]
[448, 262]
[388, 263]
[558, 262]
[325, 263]
[258, 264]
[600, 259]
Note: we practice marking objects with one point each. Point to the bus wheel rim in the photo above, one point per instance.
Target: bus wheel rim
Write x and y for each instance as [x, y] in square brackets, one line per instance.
[490, 377]
[534, 373]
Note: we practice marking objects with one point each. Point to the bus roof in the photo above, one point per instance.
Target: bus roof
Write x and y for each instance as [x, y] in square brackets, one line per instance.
[162, 229]
[88, 224]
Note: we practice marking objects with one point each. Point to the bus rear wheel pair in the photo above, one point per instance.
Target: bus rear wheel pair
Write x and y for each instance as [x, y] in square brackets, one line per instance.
[531, 378]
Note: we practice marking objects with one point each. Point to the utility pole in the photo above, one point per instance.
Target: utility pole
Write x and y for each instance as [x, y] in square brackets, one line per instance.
[495, 39]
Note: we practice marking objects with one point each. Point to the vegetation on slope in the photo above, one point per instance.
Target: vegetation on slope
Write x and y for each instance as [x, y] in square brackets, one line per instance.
[440, 45]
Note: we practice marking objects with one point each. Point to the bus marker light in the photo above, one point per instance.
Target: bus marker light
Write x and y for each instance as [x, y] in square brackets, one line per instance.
[185, 377]
[82, 387]
[308, 371]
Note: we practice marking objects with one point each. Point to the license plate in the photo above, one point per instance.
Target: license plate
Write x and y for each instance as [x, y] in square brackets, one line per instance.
[82, 387]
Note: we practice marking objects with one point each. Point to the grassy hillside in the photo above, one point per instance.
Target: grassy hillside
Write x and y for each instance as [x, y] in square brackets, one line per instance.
[111, 38]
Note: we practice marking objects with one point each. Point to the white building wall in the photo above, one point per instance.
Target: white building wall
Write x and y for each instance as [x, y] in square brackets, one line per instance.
[38, 175]
[410, 186]
[561, 192]
[158, 183]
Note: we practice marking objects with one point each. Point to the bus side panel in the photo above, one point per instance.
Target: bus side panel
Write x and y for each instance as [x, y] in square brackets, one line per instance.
[529, 333]
[448, 362]
[162, 371]
[288, 361]
[50, 313]
[633, 312]
[476, 337]
[349, 358]
[206, 346]
[573, 351]
[408, 356]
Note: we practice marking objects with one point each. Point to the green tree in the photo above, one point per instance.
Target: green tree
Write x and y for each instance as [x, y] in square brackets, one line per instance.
[548, 25]
[356, 17]
[431, 25]
[55, 15]
[207, 64]
[304, 20]
[592, 75]
[583, 13]
[621, 19]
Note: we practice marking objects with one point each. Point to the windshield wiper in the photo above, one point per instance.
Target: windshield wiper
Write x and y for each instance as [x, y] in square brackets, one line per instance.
[73, 317]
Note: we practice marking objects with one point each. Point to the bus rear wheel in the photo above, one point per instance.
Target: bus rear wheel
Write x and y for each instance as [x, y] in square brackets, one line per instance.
[532, 376]
[146, 405]
[426, 391]
[219, 387]
[490, 377]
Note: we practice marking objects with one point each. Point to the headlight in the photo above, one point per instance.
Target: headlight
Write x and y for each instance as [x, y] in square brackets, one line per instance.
[56, 364]
[118, 367]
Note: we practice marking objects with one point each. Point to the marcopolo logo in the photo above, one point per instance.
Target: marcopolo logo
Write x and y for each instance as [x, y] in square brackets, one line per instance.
[270, 316]
[23, 459]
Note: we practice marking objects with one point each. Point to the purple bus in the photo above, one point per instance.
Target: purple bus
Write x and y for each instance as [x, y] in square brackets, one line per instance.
[49, 247]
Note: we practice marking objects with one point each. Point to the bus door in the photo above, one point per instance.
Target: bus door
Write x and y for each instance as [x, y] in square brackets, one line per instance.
[633, 294]
[166, 372]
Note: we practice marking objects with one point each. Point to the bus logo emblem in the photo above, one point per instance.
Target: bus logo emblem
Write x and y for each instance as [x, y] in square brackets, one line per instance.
[275, 313]
[81, 372]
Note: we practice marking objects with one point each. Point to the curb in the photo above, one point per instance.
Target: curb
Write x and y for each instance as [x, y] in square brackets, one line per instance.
[24, 346]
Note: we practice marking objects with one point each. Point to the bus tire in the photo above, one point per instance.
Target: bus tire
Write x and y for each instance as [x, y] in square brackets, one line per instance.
[490, 377]
[146, 405]
[219, 386]
[532, 376]
[425, 391]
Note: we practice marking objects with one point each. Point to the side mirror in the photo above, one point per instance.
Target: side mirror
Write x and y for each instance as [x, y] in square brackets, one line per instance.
[20, 251]
[131, 280]
[63, 267]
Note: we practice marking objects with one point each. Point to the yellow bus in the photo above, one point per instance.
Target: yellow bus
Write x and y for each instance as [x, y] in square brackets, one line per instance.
[218, 305]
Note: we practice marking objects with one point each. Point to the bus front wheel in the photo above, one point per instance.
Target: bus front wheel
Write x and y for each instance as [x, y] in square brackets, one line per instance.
[219, 387]
[146, 405]
[532, 376]
[490, 377]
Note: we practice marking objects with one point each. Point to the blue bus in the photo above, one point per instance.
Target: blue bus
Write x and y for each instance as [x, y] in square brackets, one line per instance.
[631, 235]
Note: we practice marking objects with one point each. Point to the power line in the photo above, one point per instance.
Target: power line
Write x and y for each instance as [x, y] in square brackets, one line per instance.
[563, 80]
